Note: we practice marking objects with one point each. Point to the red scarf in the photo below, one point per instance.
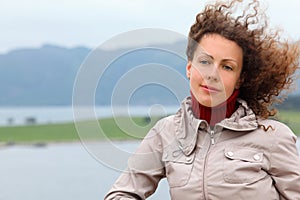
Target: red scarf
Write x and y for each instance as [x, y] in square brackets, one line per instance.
[215, 114]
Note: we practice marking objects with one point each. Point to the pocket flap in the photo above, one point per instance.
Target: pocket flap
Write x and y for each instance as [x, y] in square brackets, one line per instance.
[177, 156]
[245, 154]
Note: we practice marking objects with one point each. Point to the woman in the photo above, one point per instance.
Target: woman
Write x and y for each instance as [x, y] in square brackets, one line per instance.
[221, 144]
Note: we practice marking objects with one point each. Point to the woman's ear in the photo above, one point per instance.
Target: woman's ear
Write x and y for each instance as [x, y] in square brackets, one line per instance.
[188, 69]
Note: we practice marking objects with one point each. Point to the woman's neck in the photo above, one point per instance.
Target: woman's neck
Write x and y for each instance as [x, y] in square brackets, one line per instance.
[215, 114]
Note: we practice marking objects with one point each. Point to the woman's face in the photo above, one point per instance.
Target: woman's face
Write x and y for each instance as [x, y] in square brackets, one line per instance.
[215, 70]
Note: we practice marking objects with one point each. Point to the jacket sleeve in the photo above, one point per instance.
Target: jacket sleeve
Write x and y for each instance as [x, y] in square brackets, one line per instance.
[285, 164]
[144, 171]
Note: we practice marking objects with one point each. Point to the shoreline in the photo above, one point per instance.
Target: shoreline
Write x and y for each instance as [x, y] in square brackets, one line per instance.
[42, 144]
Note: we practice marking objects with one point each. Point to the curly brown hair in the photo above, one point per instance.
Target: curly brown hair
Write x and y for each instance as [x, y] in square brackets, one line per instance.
[269, 62]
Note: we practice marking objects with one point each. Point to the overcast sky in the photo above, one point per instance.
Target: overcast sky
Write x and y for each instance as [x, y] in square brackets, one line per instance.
[70, 23]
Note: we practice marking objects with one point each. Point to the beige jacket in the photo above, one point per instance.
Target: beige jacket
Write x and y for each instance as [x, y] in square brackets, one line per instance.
[236, 160]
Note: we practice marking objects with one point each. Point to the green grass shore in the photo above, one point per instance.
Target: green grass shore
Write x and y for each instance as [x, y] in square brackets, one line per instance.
[67, 132]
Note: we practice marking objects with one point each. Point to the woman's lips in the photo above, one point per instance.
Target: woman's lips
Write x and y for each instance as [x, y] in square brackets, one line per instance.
[210, 89]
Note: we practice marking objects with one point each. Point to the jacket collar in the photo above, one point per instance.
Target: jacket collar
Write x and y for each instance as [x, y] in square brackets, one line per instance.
[186, 125]
[243, 119]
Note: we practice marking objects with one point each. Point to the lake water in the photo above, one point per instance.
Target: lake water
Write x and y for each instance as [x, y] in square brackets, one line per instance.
[59, 171]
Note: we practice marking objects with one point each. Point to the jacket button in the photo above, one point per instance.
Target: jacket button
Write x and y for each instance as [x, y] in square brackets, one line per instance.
[188, 159]
[230, 153]
[256, 157]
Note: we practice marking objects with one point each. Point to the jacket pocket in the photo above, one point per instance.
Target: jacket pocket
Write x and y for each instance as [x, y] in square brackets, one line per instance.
[243, 165]
[178, 168]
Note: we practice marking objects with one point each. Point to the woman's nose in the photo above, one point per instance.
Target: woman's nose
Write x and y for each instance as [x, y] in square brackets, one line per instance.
[212, 74]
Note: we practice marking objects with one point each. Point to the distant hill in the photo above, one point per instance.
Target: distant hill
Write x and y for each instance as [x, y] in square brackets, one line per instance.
[45, 76]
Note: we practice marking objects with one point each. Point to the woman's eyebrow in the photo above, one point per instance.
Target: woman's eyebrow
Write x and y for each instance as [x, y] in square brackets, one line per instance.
[206, 54]
[203, 52]
[230, 59]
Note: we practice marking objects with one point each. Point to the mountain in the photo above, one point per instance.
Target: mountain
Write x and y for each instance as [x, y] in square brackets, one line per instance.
[41, 76]
[45, 76]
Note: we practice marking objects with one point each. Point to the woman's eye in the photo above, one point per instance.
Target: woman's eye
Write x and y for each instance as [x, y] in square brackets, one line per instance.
[204, 62]
[227, 67]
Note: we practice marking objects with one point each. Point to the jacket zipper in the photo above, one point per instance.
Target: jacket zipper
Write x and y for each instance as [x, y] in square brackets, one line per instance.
[212, 142]
[212, 139]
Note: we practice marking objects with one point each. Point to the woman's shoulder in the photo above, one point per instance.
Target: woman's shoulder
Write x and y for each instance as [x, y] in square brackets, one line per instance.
[176, 119]
[164, 123]
[276, 128]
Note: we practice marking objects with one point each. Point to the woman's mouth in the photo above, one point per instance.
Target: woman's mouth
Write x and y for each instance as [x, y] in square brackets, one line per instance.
[209, 89]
